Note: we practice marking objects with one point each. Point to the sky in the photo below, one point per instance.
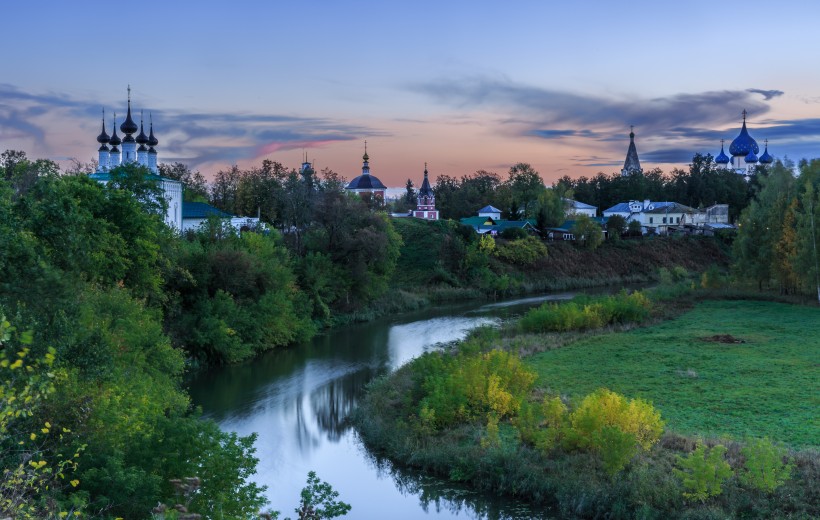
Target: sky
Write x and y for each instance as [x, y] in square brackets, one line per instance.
[460, 85]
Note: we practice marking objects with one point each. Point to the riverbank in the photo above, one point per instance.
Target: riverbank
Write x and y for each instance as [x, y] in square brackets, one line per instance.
[763, 386]
[425, 275]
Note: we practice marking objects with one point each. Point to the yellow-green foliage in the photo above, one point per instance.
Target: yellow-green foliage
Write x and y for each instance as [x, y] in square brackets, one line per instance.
[541, 424]
[703, 472]
[30, 466]
[468, 386]
[526, 251]
[585, 313]
[614, 426]
[764, 467]
[712, 278]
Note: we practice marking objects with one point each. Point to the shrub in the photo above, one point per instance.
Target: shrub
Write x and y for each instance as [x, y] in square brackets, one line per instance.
[764, 467]
[712, 278]
[469, 386]
[586, 313]
[541, 424]
[513, 233]
[703, 472]
[592, 425]
[526, 251]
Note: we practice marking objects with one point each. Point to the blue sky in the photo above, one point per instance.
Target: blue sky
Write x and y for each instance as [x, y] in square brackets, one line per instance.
[461, 85]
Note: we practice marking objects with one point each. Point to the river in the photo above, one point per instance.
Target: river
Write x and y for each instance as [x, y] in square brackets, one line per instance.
[297, 399]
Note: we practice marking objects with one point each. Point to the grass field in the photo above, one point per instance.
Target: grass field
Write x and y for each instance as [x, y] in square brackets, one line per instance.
[769, 385]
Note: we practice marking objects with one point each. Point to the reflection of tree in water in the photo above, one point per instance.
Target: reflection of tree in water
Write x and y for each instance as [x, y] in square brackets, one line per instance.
[304, 438]
[333, 402]
[449, 496]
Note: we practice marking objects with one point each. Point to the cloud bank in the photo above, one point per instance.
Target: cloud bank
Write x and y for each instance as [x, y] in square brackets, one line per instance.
[194, 138]
[670, 129]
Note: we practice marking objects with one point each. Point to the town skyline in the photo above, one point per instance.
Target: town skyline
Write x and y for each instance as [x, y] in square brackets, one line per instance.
[462, 87]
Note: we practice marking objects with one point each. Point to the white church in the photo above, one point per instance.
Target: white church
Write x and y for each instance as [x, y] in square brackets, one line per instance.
[143, 155]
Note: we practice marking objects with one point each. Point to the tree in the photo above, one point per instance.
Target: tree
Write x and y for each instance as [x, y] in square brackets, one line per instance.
[551, 211]
[616, 226]
[526, 186]
[319, 501]
[634, 229]
[410, 193]
[588, 232]
[761, 224]
[196, 187]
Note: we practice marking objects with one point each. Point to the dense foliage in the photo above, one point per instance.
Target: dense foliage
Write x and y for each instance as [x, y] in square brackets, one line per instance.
[105, 421]
[702, 185]
[777, 240]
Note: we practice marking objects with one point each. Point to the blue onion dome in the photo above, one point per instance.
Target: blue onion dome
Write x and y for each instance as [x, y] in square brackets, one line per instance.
[103, 138]
[722, 158]
[115, 139]
[766, 158]
[751, 158]
[142, 139]
[743, 144]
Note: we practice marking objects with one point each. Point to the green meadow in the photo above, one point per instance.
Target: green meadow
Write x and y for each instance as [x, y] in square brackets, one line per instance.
[765, 386]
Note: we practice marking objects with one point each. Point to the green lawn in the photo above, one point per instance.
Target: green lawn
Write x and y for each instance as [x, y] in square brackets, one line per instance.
[769, 385]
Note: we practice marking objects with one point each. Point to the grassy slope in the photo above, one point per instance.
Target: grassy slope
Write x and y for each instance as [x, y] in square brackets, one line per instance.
[423, 261]
[766, 386]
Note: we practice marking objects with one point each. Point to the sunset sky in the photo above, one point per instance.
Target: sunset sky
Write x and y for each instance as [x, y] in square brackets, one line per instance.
[461, 85]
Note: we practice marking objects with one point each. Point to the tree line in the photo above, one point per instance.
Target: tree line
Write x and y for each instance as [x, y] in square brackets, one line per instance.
[522, 195]
[776, 244]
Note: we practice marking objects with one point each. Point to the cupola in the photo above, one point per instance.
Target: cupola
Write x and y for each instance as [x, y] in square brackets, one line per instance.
[766, 158]
[722, 158]
[743, 145]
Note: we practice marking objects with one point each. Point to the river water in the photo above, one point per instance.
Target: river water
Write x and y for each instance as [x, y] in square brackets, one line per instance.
[297, 399]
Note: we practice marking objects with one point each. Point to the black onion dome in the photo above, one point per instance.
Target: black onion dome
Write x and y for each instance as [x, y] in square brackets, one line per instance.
[115, 139]
[766, 158]
[366, 182]
[103, 138]
[129, 126]
[152, 151]
[152, 141]
[426, 190]
[142, 138]
[743, 143]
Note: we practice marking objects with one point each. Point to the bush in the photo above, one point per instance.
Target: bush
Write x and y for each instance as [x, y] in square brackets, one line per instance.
[764, 467]
[469, 386]
[585, 313]
[513, 233]
[614, 426]
[703, 472]
[525, 251]
[713, 278]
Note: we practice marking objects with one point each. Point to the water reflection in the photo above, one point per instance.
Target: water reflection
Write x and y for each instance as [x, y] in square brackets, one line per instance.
[439, 496]
[297, 401]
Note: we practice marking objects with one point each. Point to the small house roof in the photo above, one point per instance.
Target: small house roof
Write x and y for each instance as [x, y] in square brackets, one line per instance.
[202, 210]
[489, 209]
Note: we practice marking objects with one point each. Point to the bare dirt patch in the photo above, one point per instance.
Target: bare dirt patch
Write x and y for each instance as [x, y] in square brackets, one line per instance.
[723, 338]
